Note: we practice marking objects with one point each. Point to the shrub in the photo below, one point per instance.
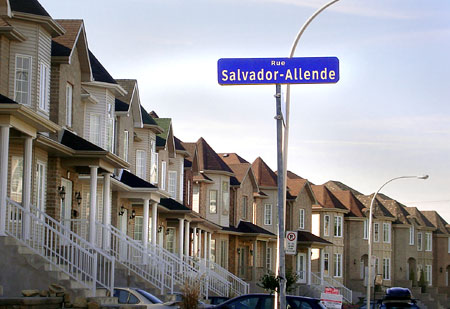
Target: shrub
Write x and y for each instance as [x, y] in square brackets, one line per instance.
[191, 293]
[271, 283]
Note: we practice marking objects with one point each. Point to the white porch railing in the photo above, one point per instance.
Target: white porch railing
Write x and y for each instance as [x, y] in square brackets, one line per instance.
[61, 248]
[237, 285]
[330, 282]
[135, 257]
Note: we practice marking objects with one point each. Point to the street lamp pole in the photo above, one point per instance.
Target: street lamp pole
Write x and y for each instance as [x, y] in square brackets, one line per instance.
[282, 145]
[369, 262]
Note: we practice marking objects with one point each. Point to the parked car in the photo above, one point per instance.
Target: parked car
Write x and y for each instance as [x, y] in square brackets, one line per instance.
[136, 296]
[216, 300]
[395, 298]
[265, 301]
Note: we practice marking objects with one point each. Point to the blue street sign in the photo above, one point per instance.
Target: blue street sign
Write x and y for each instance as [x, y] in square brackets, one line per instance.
[300, 70]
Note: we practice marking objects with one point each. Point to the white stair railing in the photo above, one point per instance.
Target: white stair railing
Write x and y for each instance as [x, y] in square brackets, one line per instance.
[62, 249]
[138, 259]
[345, 292]
[237, 285]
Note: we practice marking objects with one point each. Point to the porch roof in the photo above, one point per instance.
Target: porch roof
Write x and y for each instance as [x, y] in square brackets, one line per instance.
[134, 181]
[305, 237]
[246, 228]
[173, 205]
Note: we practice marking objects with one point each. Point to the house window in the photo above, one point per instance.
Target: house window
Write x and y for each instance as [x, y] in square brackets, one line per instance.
[138, 223]
[269, 258]
[386, 232]
[196, 198]
[126, 145]
[181, 180]
[163, 175]
[326, 264]
[16, 178]
[386, 269]
[302, 219]
[411, 235]
[338, 226]
[326, 225]
[22, 93]
[69, 101]
[41, 185]
[376, 265]
[94, 130]
[376, 232]
[213, 201]
[428, 274]
[428, 242]
[213, 250]
[153, 163]
[449, 245]
[338, 265]
[170, 239]
[419, 241]
[223, 253]
[244, 207]
[268, 214]
[44, 87]
[110, 128]
[188, 193]
[366, 229]
[225, 197]
[141, 166]
[173, 184]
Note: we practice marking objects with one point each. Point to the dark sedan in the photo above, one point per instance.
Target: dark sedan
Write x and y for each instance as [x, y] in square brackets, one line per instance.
[265, 301]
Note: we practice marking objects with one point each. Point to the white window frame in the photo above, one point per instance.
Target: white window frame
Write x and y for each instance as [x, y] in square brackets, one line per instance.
[376, 265]
[170, 239]
[326, 225]
[337, 265]
[301, 219]
[154, 163]
[223, 254]
[338, 224]
[326, 264]
[163, 174]
[126, 144]
[182, 180]
[172, 184]
[386, 269]
[429, 274]
[110, 124]
[448, 245]
[411, 235]
[428, 242]
[387, 236]
[267, 214]
[41, 185]
[16, 185]
[69, 104]
[44, 87]
[28, 81]
[213, 201]
[141, 163]
[244, 206]
[419, 241]
[366, 229]
[138, 228]
[94, 129]
[269, 258]
[376, 232]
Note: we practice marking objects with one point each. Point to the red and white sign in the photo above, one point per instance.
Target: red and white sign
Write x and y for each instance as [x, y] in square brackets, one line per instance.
[291, 242]
[331, 299]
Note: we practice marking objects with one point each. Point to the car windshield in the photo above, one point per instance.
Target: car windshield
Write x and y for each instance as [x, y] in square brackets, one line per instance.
[150, 297]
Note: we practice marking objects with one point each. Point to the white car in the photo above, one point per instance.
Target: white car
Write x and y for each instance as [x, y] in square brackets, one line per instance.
[136, 296]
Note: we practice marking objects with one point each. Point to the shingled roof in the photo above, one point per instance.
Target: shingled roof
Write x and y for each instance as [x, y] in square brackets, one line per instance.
[99, 72]
[62, 45]
[77, 142]
[128, 85]
[422, 220]
[325, 198]
[265, 177]
[134, 181]
[334, 185]
[121, 106]
[164, 123]
[28, 6]
[349, 200]
[232, 158]
[245, 227]
[6, 100]
[442, 227]
[379, 210]
[295, 183]
[209, 159]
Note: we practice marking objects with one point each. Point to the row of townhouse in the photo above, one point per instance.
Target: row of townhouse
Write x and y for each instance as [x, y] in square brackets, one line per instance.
[95, 184]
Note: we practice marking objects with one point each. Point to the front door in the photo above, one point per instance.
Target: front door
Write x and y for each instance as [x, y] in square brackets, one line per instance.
[66, 204]
[301, 267]
[123, 225]
[242, 262]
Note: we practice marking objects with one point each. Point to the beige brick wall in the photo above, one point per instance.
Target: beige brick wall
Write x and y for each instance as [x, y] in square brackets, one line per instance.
[4, 65]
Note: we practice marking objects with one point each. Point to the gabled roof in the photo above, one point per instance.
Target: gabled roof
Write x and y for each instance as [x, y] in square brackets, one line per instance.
[397, 210]
[99, 72]
[208, 159]
[308, 237]
[134, 181]
[179, 144]
[240, 170]
[379, 210]
[6, 100]
[65, 43]
[349, 200]
[245, 227]
[129, 85]
[325, 198]
[77, 142]
[438, 222]
[334, 185]
[422, 220]
[164, 123]
[265, 177]
[232, 158]
[28, 6]
[295, 184]
[121, 106]
[172, 204]
[146, 118]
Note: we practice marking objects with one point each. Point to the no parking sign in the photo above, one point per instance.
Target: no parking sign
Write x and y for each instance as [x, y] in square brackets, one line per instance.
[291, 242]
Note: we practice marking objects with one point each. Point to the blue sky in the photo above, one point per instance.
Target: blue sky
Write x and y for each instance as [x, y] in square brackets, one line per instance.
[388, 115]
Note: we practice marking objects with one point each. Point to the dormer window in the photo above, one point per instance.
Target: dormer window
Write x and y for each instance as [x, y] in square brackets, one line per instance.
[22, 80]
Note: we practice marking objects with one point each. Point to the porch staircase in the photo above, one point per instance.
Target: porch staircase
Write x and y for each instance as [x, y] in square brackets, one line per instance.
[317, 286]
[64, 256]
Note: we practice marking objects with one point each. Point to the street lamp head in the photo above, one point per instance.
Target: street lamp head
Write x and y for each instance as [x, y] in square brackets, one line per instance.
[423, 177]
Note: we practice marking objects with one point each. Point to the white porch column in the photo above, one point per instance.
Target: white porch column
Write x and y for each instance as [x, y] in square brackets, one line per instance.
[199, 243]
[27, 174]
[209, 246]
[322, 265]
[154, 222]
[4, 149]
[145, 223]
[309, 266]
[205, 245]
[181, 237]
[93, 205]
[194, 232]
[187, 238]
[106, 208]
[255, 254]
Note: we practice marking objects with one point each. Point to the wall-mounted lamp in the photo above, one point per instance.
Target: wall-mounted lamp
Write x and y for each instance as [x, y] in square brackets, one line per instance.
[78, 198]
[122, 210]
[440, 269]
[133, 214]
[238, 250]
[62, 192]
[74, 213]
[167, 232]
[160, 228]
[251, 252]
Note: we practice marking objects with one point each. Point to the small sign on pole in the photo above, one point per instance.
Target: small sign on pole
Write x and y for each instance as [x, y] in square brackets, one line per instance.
[291, 242]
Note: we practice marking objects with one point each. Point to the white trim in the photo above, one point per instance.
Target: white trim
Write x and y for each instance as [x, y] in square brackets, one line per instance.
[267, 214]
[30, 75]
[326, 225]
[411, 235]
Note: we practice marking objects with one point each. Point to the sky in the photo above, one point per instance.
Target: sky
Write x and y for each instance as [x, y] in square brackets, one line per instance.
[388, 115]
